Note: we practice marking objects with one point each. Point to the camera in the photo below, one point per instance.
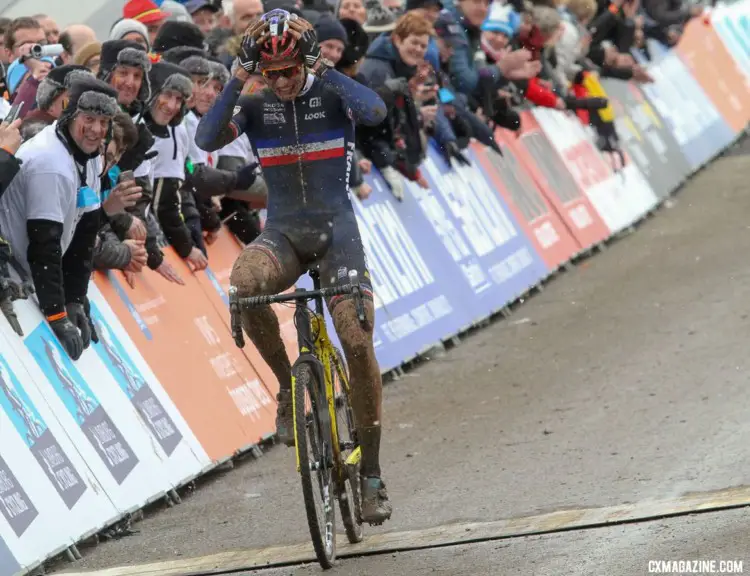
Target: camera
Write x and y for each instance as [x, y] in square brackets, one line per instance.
[50, 50]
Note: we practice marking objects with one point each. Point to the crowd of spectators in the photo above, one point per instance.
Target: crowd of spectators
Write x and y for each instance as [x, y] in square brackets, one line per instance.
[100, 169]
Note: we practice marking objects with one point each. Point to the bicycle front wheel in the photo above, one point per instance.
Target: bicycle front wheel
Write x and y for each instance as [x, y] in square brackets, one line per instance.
[313, 440]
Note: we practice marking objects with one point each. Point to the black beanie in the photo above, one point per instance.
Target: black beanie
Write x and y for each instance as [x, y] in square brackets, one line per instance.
[357, 42]
[328, 28]
[179, 53]
[174, 33]
[416, 4]
[125, 53]
[57, 80]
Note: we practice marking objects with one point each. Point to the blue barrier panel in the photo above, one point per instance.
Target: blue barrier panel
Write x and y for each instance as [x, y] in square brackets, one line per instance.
[8, 564]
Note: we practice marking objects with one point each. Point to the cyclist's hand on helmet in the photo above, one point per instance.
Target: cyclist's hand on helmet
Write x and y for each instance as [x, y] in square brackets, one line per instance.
[249, 53]
[307, 40]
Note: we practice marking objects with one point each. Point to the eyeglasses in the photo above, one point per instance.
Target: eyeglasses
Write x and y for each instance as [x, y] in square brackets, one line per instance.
[275, 74]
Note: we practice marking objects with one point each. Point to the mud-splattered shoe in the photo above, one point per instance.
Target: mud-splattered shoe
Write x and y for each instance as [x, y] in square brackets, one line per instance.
[376, 508]
[285, 418]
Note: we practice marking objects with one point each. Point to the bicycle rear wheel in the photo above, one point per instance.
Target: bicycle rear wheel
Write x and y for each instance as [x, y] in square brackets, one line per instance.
[313, 437]
[348, 486]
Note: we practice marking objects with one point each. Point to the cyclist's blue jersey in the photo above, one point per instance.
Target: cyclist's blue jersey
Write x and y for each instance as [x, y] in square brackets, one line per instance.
[305, 146]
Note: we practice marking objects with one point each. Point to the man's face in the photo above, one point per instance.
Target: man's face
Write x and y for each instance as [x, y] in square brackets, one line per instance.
[286, 79]
[353, 10]
[112, 155]
[246, 12]
[25, 38]
[51, 30]
[332, 50]
[205, 19]
[412, 49]
[205, 93]
[475, 11]
[445, 48]
[127, 81]
[137, 38]
[89, 131]
[168, 104]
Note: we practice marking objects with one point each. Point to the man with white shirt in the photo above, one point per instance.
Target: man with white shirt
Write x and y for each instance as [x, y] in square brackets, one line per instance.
[50, 212]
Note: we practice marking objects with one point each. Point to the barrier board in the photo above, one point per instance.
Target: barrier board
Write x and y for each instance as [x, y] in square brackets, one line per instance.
[646, 139]
[717, 72]
[555, 181]
[732, 23]
[541, 224]
[620, 199]
[678, 98]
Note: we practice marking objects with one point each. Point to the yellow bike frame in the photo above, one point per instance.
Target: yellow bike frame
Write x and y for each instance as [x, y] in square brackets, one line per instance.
[324, 351]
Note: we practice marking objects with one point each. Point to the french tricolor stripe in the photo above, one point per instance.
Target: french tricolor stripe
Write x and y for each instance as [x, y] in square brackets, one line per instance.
[283, 155]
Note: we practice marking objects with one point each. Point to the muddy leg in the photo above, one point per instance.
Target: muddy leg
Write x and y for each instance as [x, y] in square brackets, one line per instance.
[365, 379]
[258, 272]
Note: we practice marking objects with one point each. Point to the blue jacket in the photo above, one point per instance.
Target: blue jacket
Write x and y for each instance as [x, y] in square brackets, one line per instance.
[383, 62]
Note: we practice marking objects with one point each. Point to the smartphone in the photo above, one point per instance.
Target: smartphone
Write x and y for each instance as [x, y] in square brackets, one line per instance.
[125, 176]
[13, 113]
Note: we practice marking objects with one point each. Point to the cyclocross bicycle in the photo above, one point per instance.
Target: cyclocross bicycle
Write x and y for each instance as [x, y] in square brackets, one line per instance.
[328, 453]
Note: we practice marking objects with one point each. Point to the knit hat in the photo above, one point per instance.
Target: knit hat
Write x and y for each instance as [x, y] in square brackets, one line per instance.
[125, 53]
[356, 43]
[127, 26]
[91, 96]
[328, 28]
[87, 52]
[58, 80]
[173, 34]
[144, 11]
[502, 18]
[177, 12]
[379, 18]
[200, 66]
[167, 76]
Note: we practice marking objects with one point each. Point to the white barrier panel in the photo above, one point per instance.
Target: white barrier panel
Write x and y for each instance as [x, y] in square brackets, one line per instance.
[620, 199]
[732, 22]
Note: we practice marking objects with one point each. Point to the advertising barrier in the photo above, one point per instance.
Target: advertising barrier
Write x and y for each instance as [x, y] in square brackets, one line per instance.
[165, 395]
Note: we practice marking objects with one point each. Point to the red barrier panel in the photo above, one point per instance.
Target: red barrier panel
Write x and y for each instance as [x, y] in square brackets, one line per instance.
[539, 220]
[555, 181]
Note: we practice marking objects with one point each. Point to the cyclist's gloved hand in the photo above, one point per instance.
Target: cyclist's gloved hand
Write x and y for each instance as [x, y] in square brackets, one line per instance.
[246, 176]
[308, 45]
[249, 53]
[68, 336]
[78, 317]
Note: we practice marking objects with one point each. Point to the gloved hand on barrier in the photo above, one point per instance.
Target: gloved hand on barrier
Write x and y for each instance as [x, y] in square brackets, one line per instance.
[593, 103]
[6, 306]
[395, 181]
[452, 150]
[69, 336]
[92, 327]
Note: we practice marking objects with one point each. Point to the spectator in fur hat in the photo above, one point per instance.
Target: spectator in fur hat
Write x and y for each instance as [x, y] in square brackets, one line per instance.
[52, 91]
[125, 65]
[351, 10]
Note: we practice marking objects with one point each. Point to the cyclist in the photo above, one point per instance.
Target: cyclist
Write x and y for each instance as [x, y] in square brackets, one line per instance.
[301, 127]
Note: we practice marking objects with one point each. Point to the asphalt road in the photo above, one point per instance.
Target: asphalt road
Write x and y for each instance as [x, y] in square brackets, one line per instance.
[625, 381]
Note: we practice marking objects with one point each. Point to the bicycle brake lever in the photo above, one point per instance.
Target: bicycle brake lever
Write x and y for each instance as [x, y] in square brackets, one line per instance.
[235, 317]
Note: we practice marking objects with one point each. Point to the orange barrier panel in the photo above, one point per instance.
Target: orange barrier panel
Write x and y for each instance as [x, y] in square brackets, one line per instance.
[185, 341]
[717, 72]
[215, 283]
